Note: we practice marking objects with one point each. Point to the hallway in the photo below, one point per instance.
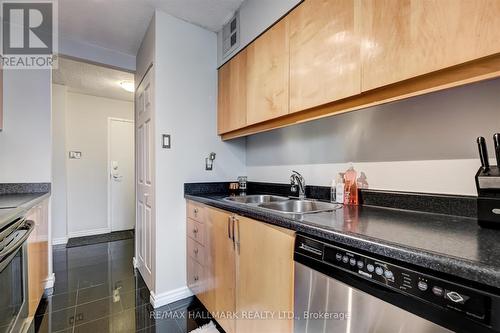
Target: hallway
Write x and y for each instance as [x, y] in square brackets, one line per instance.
[97, 290]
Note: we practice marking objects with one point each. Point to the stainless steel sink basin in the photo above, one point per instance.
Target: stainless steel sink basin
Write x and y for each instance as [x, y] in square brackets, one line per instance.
[257, 199]
[300, 206]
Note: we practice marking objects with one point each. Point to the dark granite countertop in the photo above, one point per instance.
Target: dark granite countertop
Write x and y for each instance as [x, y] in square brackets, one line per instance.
[18, 204]
[448, 244]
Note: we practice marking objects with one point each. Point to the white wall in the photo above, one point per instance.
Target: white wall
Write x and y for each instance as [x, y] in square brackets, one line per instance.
[59, 156]
[186, 91]
[25, 145]
[86, 131]
[422, 144]
[255, 17]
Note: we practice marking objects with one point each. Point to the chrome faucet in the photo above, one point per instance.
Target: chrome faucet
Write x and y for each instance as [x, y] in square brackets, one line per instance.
[296, 180]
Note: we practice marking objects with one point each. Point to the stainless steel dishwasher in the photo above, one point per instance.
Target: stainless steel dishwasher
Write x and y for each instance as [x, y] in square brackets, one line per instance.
[338, 289]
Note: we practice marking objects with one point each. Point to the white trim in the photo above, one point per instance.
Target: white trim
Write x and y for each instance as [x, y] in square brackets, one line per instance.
[135, 263]
[90, 232]
[108, 162]
[49, 281]
[169, 296]
[60, 241]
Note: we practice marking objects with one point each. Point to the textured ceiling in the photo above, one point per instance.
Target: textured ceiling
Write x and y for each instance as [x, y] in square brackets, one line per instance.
[93, 80]
[121, 24]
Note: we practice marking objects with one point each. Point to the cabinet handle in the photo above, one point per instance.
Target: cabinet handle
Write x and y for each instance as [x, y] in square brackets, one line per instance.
[196, 278]
[229, 218]
[232, 237]
[195, 231]
[237, 242]
[196, 251]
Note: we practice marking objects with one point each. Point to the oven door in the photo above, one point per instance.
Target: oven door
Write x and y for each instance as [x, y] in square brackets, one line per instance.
[14, 280]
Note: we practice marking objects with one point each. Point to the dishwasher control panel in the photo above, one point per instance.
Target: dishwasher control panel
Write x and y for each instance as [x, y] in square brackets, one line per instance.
[438, 291]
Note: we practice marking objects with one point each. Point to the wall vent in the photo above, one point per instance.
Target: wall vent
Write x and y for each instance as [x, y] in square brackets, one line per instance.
[231, 35]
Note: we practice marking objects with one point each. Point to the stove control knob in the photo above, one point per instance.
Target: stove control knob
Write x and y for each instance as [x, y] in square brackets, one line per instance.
[338, 256]
[360, 264]
[379, 270]
[345, 259]
[352, 262]
[370, 268]
[389, 275]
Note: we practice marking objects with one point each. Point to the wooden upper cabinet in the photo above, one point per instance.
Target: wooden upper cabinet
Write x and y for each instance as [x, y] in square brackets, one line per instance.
[324, 52]
[268, 74]
[232, 94]
[407, 38]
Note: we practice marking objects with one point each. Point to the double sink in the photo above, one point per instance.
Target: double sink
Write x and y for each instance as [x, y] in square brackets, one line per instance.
[285, 205]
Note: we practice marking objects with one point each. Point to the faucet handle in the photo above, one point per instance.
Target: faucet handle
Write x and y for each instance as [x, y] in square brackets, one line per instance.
[293, 188]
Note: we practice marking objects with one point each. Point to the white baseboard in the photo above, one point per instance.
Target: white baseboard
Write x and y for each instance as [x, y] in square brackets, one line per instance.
[169, 296]
[134, 263]
[90, 232]
[49, 282]
[60, 241]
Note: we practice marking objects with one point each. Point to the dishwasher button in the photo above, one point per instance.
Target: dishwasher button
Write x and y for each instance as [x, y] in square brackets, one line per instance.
[352, 262]
[345, 259]
[438, 291]
[370, 268]
[422, 285]
[360, 264]
[379, 270]
[338, 256]
[456, 297]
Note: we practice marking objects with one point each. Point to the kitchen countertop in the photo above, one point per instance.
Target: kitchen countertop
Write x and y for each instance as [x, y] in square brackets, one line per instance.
[21, 203]
[442, 243]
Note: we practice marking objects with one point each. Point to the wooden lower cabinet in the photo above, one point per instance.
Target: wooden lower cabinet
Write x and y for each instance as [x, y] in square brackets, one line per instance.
[248, 272]
[38, 254]
[264, 283]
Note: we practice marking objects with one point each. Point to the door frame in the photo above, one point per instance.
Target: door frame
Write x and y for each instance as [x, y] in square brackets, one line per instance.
[108, 167]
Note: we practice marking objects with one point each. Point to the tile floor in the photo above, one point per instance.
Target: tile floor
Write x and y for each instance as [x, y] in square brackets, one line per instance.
[97, 290]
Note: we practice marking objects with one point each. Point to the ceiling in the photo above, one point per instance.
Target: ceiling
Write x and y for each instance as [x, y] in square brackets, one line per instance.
[120, 25]
[84, 78]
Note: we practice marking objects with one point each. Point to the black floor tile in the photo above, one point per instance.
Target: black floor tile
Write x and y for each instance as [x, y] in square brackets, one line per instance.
[96, 310]
[95, 293]
[59, 301]
[102, 325]
[97, 290]
[136, 298]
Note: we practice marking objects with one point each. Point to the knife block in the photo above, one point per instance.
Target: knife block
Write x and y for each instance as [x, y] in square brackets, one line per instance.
[488, 201]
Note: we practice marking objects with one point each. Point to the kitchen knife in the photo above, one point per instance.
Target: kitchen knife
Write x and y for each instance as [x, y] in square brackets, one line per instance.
[483, 153]
[496, 141]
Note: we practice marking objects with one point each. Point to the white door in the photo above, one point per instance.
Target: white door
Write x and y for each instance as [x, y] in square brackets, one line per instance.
[121, 174]
[145, 215]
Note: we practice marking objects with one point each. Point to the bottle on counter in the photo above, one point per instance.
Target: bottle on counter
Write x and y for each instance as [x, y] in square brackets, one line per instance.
[351, 187]
[333, 191]
[339, 187]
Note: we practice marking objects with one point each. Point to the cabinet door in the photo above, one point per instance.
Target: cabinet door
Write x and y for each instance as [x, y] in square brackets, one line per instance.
[38, 255]
[232, 113]
[268, 74]
[324, 52]
[406, 38]
[224, 279]
[265, 265]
